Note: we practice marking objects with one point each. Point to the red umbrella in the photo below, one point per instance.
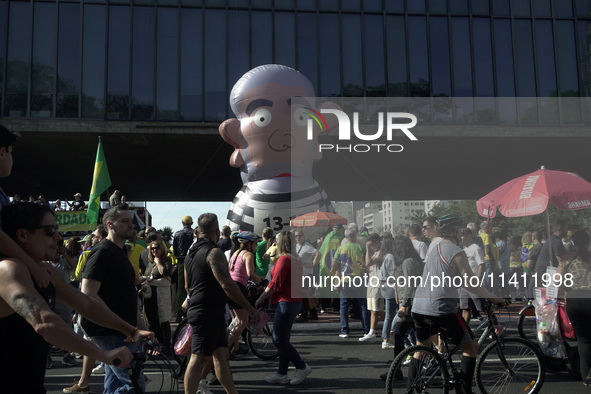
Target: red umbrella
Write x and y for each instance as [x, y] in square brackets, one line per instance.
[314, 219]
[530, 194]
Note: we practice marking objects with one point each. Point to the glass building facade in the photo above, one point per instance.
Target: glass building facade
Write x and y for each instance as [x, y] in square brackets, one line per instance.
[177, 60]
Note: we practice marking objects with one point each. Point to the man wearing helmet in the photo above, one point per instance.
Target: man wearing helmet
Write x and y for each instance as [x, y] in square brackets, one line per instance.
[435, 305]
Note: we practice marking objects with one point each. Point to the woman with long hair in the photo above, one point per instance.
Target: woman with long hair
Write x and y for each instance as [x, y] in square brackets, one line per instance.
[409, 266]
[242, 268]
[578, 307]
[286, 277]
[157, 306]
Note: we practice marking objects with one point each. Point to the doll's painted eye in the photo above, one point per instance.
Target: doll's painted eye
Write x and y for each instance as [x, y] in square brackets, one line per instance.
[301, 116]
[262, 117]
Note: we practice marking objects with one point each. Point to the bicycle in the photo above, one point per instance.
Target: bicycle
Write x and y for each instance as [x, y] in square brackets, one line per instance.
[140, 357]
[505, 365]
[527, 327]
[261, 344]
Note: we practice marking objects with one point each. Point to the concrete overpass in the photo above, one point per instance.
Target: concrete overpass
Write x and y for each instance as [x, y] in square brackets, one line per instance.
[160, 161]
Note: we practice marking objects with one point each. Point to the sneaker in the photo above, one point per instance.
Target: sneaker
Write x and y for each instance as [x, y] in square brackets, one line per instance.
[371, 338]
[49, 363]
[77, 389]
[99, 370]
[300, 375]
[214, 381]
[276, 378]
[387, 345]
[78, 356]
[203, 387]
[69, 360]
[407, 361]
[343, 335]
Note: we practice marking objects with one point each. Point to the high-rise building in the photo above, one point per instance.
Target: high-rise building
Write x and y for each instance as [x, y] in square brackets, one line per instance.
[398, 214]
[153, 77]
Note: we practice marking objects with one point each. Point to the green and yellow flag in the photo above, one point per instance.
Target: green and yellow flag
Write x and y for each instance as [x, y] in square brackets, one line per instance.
[100, 182]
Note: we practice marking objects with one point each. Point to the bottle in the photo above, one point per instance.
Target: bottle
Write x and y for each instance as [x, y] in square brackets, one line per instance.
[543, 336]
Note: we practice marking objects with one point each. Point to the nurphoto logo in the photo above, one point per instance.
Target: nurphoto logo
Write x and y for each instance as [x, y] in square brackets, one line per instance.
[388, 123]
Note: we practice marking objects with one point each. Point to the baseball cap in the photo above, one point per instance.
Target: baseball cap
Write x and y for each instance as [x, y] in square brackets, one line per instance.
[87, 238]
[77, 195]
[187, 219]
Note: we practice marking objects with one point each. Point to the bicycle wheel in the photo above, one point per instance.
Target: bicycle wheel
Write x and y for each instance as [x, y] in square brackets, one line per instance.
[262, 344]
[523, 373]
[175, 338]
[431, 372]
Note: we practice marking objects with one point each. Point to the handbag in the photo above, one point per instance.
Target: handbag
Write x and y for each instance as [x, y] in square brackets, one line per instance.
[566, 327]
[182, 347]
[146, 291]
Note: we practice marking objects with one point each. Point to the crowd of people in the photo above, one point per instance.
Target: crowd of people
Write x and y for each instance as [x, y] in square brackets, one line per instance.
[77, 204]
[100, 295]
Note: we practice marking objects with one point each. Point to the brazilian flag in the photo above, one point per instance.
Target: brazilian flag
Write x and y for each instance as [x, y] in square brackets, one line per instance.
[327, 250]
[101, 180]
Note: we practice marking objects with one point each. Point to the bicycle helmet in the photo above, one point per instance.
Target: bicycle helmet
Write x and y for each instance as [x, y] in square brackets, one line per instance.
[247, 236]
[448, 224]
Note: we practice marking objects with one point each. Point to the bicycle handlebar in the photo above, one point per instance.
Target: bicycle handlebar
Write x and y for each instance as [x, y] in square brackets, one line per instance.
[145, 345]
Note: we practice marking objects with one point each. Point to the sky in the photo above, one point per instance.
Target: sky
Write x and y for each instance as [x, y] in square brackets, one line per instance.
[171, 213]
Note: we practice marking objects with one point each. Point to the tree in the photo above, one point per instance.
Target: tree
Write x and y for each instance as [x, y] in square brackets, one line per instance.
[466, 209]
[166, 233]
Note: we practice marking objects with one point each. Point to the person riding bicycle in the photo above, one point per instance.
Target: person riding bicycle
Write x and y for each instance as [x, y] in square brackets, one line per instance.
[435, 305]
[242, 268]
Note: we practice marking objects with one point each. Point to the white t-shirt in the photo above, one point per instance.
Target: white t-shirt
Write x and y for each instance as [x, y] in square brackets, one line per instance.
[306, 254]
[421, 248]
[475, 256]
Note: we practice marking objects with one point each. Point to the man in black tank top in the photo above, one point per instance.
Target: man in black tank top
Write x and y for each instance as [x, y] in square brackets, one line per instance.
[26, 316]
[209, 285]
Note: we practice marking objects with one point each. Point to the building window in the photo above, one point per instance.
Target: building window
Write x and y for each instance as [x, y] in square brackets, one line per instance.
[68, 61]
[93, 61]
[167, 106]
[43, 62]
[119, 61]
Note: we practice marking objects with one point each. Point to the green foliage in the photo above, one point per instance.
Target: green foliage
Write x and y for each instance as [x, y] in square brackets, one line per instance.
[166, 233]
[466, 209]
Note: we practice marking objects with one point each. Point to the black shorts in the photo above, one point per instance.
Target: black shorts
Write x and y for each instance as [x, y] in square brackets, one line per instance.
[232, 304]
[208, 334]
[470, 301]
[452, 327]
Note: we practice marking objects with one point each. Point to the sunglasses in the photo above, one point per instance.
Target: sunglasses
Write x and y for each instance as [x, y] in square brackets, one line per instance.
[155, 248]
[428, 226]
[49, 229]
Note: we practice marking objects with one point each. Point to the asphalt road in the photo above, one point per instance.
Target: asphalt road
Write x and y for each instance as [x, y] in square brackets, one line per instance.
[339, 366]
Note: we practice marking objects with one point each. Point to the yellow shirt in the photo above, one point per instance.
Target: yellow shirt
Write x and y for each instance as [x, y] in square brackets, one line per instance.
[493, 247]
[81, 264]
[134, 257]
